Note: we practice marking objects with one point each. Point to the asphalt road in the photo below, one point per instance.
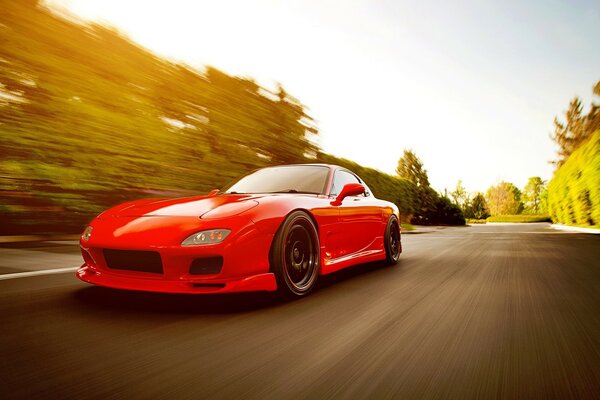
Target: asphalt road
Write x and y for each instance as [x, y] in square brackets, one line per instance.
[482, 312]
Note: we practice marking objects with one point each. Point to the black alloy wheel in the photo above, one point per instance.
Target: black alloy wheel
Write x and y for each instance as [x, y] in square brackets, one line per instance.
[393, 245]
[295, 255]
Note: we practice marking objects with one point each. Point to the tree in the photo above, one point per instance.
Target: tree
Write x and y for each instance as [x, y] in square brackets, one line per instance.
[577, 127]
[477, 207]
[410, 168]
[445, 212]
[504, 199]
[592, 120]
[460, 196]
[430, 207]
[289, 128]
[532, 195]
[568, 134]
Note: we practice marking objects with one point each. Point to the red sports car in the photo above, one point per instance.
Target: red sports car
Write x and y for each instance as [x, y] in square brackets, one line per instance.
[277, 228]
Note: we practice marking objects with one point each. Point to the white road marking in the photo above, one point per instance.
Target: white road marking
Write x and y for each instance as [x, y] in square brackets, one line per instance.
[35, 273]
[568, 228]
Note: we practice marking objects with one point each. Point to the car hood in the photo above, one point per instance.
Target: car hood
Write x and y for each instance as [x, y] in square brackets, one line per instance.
[181, 207]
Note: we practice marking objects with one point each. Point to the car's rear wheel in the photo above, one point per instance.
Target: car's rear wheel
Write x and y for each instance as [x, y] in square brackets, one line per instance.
[295, 255]
[393, 246]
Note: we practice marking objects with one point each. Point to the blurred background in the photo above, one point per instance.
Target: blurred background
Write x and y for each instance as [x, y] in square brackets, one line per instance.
[90, 119]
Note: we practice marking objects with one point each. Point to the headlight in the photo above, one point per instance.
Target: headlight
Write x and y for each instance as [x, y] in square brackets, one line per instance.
[87, 233]
[212, 236]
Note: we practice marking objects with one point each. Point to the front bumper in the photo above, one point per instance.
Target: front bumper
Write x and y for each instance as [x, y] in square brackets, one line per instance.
[260, 282]
[244, 254]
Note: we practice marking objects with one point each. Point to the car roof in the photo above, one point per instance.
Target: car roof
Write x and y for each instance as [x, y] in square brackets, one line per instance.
[331, 166]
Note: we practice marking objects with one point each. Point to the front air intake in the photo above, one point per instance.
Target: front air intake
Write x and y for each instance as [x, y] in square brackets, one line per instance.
[133, 260]
[206, 266]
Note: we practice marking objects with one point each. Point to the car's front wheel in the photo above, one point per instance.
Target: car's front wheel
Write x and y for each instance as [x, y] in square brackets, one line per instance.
[393, 246]
[295, 255]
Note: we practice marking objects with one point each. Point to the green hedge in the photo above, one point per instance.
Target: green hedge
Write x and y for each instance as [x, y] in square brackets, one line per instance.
[574, 191]
[475, 221]
[519, 218]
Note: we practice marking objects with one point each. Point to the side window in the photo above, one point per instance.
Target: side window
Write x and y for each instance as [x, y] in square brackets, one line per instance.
[340, 179]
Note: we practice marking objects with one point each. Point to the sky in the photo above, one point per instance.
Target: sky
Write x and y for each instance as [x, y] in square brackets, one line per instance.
[472, 87]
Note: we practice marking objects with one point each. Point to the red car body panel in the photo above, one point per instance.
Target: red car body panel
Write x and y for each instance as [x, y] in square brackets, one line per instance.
[349, 234]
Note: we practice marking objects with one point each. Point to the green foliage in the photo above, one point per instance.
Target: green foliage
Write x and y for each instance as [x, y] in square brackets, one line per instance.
[577, 128]
[533, 196]
[476, 221]
[406, 227]
[519, 218]
[429, 207]
[460, 196]
[476, 208]
[472, 208]
[574, 191]
[88, 120]
[410, 168]
[444, 212]
[504, 199]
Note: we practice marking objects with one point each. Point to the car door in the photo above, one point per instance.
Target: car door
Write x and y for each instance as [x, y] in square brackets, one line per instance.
[359, 218]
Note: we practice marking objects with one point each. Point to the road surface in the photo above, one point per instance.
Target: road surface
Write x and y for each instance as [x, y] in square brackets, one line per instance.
[481, 312]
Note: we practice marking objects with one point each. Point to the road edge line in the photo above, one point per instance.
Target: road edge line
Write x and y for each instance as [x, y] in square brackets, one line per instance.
[579, 229]
[37, 273]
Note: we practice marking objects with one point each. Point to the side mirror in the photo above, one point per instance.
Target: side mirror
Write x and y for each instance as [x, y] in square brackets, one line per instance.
[349, 189]
[213, 192]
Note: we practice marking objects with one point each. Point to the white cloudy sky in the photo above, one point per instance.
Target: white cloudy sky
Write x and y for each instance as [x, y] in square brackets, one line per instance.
[471, 87]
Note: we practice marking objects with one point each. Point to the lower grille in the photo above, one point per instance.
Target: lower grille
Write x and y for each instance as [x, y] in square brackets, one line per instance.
[206, 266]
[133, 260]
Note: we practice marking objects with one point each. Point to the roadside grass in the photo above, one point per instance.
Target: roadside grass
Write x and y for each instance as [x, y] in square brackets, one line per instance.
[520, 218]
[406, 227]
[476, 221]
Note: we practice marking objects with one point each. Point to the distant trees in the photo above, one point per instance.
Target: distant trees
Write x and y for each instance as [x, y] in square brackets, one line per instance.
[430, 207]
[473, 208]
[533, 196]
[444, 212]
[477, 207]
[460, 196]
[504, 199]
[410, 167]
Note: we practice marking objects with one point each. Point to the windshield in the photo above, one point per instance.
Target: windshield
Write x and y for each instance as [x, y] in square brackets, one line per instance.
[283, 179]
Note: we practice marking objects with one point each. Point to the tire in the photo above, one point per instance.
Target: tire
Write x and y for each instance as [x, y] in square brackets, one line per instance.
[295, 255]
[392, 241]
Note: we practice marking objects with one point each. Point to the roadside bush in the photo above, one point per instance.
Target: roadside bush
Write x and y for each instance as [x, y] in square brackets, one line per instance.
[444, 212]
[407, 227]
[476, 221]
[520, 218]
[574, 191]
